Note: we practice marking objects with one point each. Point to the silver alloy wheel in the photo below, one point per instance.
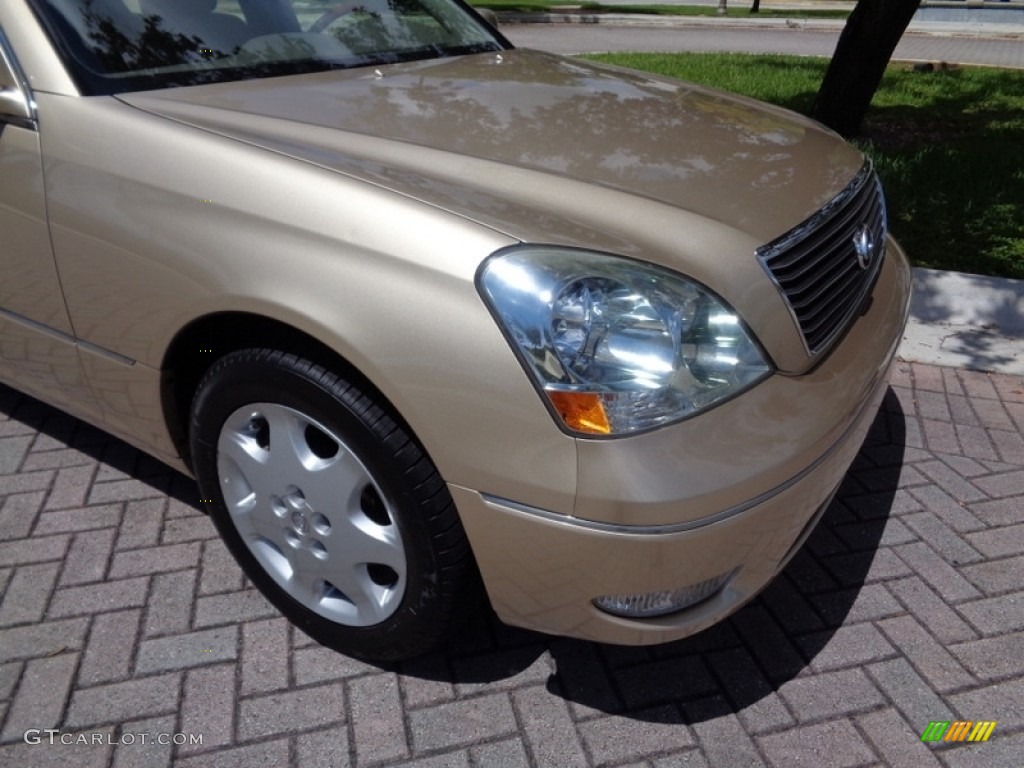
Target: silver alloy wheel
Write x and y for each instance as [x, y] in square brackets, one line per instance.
[311, 514]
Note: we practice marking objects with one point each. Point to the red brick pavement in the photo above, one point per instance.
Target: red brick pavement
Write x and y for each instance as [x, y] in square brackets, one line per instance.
[124, 624]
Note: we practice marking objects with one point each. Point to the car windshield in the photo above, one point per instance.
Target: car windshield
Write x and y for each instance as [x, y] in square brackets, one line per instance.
[113, 46]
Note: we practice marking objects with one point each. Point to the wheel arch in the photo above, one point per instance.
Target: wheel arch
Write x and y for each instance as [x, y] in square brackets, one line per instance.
[198, 345]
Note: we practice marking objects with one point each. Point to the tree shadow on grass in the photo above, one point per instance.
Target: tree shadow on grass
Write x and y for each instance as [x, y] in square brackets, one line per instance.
[948, 147]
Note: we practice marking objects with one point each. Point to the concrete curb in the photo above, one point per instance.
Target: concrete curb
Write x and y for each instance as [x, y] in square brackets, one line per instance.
[966, 321]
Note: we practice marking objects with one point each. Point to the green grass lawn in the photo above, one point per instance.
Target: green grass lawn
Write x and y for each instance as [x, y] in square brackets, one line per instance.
[540, 6]
[948, 144]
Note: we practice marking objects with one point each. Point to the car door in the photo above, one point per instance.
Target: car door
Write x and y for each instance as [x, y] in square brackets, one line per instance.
[37, 346]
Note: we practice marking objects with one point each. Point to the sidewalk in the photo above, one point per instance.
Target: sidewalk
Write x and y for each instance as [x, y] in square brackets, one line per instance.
[966, 321]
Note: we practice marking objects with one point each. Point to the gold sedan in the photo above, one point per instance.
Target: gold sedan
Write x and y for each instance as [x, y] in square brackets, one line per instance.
[413, 306]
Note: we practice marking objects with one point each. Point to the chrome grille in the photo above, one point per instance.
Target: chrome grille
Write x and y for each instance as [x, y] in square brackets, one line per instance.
[818, 266]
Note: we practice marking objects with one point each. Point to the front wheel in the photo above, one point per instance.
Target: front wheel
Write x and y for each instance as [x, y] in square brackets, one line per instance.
[330, 507]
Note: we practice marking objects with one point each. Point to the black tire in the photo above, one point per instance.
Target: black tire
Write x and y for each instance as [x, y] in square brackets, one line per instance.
[350, 483]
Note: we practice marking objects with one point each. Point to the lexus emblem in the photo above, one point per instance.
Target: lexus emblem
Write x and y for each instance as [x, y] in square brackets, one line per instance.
[300, 522]
[864, 246]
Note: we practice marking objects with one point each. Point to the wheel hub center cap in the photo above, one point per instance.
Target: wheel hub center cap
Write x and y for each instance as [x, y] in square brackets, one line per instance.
[300, 522]
[299, 517]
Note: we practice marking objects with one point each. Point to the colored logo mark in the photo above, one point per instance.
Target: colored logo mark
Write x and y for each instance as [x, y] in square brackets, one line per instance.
[959, 730]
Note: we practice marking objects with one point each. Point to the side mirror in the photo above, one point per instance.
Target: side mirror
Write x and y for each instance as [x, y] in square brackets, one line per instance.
[14, 104]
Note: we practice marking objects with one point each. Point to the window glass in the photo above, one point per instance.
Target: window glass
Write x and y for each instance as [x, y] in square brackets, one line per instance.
[121, 45]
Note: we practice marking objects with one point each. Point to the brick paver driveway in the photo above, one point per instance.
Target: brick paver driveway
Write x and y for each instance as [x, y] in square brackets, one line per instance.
[124, 624]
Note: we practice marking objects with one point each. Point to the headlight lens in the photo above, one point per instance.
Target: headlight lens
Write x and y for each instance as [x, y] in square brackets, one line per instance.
[618, 346]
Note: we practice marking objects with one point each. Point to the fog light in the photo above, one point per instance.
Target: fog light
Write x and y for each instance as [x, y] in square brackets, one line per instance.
[649, 604]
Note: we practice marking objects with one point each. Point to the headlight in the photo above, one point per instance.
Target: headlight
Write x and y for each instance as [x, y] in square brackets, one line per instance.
[618, 346]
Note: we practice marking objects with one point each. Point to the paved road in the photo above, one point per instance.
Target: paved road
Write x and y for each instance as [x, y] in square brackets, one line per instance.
[123, 620]
[580, 38]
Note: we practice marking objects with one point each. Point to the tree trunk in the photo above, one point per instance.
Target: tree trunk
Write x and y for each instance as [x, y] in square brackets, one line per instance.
[755, 6]
[865, 46]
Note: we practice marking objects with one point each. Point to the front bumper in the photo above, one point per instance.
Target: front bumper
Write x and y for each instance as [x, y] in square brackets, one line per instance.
[705, 510]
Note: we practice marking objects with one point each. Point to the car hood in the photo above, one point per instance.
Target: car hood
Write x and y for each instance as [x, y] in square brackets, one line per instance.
[464, 132]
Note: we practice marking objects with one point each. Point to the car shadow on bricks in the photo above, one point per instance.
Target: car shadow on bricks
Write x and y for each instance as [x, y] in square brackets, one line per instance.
[122, 472]
[813, 621]
[806, 623]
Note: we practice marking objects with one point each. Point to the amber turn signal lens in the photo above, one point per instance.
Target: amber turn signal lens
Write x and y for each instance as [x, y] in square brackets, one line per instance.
[581, 411]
